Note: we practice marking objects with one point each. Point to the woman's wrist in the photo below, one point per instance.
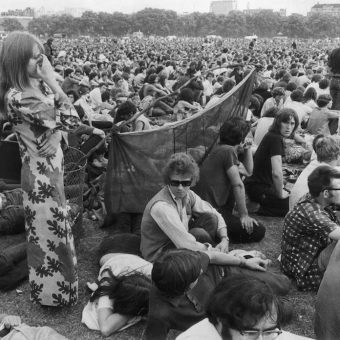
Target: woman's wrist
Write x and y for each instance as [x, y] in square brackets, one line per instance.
[243, 263]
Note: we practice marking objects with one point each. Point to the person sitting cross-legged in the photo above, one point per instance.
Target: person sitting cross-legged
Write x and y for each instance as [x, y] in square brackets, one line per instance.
[310, 230]
[220, 181]
[178, 218]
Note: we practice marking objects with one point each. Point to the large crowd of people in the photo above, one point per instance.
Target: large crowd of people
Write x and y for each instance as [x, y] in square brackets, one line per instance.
[173, 264]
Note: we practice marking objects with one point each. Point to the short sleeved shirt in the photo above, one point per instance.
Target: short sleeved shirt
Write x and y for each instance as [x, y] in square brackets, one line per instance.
[271, 145]
[214, 184]
[306, 232]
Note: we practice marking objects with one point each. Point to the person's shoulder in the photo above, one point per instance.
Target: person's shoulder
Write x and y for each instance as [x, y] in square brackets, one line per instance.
[272, 136]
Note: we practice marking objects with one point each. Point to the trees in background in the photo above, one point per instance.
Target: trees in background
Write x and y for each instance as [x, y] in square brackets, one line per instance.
[11, 24]
[152, 21]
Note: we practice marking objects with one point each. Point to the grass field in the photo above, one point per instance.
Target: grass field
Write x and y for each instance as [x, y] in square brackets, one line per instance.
[67, 321]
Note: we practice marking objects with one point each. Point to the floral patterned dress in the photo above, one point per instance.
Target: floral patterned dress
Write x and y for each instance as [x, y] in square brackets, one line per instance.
[51, 254]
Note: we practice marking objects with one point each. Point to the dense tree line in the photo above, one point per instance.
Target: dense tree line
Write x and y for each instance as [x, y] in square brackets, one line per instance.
[165, 22]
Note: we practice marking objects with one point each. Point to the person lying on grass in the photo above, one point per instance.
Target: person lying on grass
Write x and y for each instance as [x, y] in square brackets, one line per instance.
[121, 295]
[11, 328]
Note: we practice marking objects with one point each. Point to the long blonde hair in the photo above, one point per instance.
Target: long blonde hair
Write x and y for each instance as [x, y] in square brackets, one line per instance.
[15, 53]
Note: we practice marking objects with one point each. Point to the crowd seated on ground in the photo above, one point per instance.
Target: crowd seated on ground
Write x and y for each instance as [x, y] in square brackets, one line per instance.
[178, 252]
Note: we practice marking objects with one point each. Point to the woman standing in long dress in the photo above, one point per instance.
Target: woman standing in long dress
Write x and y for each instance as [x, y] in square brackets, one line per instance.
[37, 120]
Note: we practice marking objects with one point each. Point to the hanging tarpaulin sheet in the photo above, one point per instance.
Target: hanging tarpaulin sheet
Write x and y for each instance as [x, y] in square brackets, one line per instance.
[136, 159]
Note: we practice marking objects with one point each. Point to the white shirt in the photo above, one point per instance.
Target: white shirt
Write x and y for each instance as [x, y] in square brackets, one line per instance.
[119, 264]
[300, 187]
[175, 222]
[96, 98]
[269, 103]
[205, 330]
[300, 108]
[263, 125]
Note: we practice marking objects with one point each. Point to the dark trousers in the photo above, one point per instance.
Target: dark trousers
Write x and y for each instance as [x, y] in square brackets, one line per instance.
[271, 205]
[334, 88]
[13, 266]
[236, 232]
[204, 228]
[120, 243]
[124, 222]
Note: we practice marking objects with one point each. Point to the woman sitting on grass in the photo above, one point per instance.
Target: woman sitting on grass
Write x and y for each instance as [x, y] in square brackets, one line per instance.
[121, 295]
[265, 186]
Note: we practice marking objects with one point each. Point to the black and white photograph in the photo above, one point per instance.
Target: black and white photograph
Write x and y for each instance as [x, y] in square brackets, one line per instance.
[169, 170]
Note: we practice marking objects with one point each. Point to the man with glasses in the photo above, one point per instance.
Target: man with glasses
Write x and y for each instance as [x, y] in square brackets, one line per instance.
[242, 308]
[178, 218]
[310, 230]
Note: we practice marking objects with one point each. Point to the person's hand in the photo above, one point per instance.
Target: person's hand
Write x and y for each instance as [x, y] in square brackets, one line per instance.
[248, 223]
[99, 132]
[284, 194]
[256, 263]
[11, 321]
[45, 70]
[223, 246]
[248, 142]
[50, 146]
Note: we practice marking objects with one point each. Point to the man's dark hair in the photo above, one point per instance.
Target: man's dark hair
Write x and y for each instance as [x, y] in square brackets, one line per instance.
[240, 302]
[124, 110]
[283, 116]
[320, 179]
[175, 270]
[323, 100]
[296, 96]
[233, 131]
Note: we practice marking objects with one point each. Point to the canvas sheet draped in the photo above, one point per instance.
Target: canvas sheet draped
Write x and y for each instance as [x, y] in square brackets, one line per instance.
[136, 159]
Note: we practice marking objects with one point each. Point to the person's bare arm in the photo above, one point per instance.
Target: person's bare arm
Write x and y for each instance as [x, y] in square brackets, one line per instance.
[276, 162]
[240, 198]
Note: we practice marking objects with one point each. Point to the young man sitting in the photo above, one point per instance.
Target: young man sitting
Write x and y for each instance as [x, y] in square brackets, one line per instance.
[221, 185]
[178, 218]
[310, 229]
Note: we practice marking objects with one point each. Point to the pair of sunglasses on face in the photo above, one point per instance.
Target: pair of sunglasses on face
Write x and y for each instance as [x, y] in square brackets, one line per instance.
[175, 183]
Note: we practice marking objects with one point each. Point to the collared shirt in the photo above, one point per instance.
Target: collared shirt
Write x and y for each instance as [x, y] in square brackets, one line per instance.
[306, 232]
[175, 222]
[269, 103]
[205, 330]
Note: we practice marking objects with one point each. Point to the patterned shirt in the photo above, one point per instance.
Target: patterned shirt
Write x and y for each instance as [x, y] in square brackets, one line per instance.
[305, 234]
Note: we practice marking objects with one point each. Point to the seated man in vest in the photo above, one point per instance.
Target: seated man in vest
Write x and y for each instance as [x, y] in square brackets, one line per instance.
[178, 218]
[310, 230]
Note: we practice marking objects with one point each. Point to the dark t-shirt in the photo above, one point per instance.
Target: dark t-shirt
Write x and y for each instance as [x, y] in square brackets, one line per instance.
[214, 184]
[184, 311]
[271, 145]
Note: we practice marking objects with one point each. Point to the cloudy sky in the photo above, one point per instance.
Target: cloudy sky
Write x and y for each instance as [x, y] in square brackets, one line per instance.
[129, 6]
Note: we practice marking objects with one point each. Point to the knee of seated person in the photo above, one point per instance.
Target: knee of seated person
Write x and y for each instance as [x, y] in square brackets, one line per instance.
[259, 232]
[201, 235]
[208, 219]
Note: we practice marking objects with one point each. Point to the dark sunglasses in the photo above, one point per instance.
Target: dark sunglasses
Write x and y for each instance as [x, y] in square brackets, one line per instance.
[178, 183]
[331, 189]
